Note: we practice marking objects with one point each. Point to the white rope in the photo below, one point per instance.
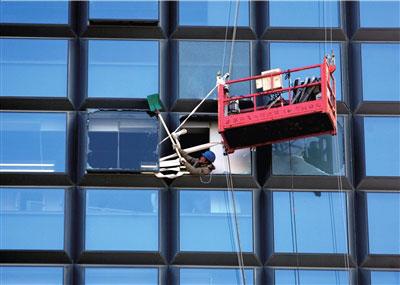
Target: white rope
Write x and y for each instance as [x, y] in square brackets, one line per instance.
[226, 38]
[234, 36]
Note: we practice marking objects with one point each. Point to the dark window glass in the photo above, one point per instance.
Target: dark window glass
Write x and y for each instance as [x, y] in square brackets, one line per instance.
[384, 223]
[213, 13]
[294, 55]
[123, 10]
[121, 276]
[379, 14]
[18, 275]
[385, 277]
[200, 61]
[33, 68]
[123, 69]
[207, 222]
[320, 155]
[34, 12]
[381, 72]
[382, 141]
[311, 277]
[122, 220]
[304, 13]
[211, 276]
[122, 140]
[32, 142]
[31, 219]
[318, 225]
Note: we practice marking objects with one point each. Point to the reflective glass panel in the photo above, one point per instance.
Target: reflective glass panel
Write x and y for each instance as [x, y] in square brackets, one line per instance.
[385, 277]
[213, 13]
[321, 155]
[121, 276]
[384, 223]
[18, 275]
[31, 219]
[123, 10]
[311, 277]
[123, 69]
[207, 222]
[210, 276]
[304, 13]
[294, 55]
[34, 12]
[200, 61]
[122, 140]
[318, 226]
[380, 72]
[33, 68]
[32, 142]
[382, 146]
[379, 14]
[121, 220]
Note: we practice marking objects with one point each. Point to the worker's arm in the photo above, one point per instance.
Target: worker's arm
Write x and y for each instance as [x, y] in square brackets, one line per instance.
[188, 158]
[197, 170]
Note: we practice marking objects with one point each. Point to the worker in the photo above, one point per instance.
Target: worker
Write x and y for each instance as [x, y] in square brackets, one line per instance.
[200, 166]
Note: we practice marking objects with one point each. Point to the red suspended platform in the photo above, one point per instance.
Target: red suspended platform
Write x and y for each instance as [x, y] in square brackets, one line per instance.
[285, 109]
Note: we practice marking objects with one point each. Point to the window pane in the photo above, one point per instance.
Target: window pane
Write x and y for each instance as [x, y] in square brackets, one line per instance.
[123, 69]
[123, 10]
[35, 12]
[382, 146]
[122, 220]
[380, 72]
[17, 275]
[384, 223]
[207, 222]
[304, 13]
[32, 142]
[122, 140]
[311, 156]
[385, 277]
[318, 225]
[121, 276]
[294, 55]
[33, 68]
[31, 219]
[219, 276]
[213, 13]
[379, 14]
[199, 61]
[308, 277]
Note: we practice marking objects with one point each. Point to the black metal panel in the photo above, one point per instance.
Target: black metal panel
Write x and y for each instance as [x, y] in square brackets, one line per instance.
[213, 259]
[36, 30]
[121, 257]
[311, 260]
[304, 34]
[34, 256]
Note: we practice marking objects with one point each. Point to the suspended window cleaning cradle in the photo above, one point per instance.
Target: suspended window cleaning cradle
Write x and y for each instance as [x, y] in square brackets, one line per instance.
[282, 111]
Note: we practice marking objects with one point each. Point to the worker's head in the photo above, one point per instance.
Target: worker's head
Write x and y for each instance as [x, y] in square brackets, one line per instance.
[208, 155]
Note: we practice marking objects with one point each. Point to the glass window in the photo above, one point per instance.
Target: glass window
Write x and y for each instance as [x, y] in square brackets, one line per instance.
[121, 276]
[211, 276]
[379, 14]
[121, 220]
[123, 10]
[213, 13]
[385, 277]
[321, 155]
[200, 61]
[308, 277]
[294, 55]
[17, 275]
[318, 226]
[31, 219]
[32, 142]
[380, 72]
[382, 141]
[384, 223]
[123, 69]
[304, 13]
[33, 68]
[207, 222]
[122, 140]
[34, 12]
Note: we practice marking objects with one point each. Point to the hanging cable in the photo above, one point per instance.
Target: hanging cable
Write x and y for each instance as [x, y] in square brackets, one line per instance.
[234, 36]
[226, 38]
